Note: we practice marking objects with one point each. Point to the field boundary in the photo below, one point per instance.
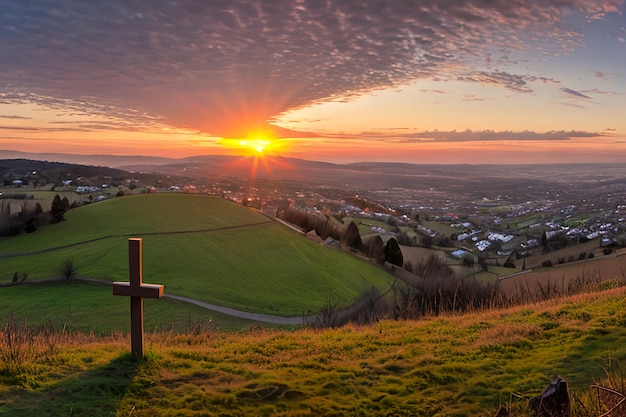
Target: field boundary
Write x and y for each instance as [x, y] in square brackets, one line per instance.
[174, 232]
[69, 245]
[557, 267]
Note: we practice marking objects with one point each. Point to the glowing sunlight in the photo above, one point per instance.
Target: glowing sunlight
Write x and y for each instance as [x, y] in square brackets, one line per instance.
[259, 145]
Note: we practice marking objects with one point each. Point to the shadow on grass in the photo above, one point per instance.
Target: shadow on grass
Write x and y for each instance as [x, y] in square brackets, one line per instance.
[94, 393]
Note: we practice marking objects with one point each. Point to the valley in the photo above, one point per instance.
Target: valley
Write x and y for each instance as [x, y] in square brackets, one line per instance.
[540, 249]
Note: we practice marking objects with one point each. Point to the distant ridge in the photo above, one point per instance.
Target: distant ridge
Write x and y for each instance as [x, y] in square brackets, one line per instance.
[113, 161]
[364, 175]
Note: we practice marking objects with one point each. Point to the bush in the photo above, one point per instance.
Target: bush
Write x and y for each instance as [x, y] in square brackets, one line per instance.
[67, 268]
[374, 247]
[393, 254]
[352, 238]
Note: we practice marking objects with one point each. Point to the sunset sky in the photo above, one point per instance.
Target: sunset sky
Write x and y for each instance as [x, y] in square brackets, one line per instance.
[421, 81]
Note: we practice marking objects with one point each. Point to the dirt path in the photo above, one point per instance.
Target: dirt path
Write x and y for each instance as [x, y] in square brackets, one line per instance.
[263, 318]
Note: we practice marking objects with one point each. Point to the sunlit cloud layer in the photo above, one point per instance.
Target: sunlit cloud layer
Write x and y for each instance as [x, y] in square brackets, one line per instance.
[226, 67]
[472, 136]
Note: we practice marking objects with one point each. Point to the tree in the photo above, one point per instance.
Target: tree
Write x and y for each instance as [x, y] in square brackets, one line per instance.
[31, 225]
[351, 237]
[393, 254]
[375, 248]
[58, 209]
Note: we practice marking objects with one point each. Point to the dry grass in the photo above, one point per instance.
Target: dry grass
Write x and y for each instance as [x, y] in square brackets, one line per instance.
[450, 365]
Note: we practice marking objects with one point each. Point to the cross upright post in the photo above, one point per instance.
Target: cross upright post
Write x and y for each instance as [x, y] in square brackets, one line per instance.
[137, 291]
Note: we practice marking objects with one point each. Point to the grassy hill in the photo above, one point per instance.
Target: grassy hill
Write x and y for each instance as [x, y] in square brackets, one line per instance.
[197, 246]
[447, 366]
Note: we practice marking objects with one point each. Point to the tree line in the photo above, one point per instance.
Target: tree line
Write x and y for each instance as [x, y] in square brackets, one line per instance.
[326, 226]
[30, 217]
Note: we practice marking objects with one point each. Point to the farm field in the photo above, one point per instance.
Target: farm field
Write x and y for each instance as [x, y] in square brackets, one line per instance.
[200, 247]
[610, 267]
[570, 252]
[44, 196]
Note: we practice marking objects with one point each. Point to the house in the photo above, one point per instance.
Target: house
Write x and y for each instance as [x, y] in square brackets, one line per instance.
[482, 245]
[459, 253]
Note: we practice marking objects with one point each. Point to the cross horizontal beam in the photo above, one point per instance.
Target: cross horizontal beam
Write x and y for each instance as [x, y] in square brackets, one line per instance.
[144, 291]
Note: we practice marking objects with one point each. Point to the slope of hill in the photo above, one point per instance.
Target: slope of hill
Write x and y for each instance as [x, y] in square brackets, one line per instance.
[448, 366]
[200, 247]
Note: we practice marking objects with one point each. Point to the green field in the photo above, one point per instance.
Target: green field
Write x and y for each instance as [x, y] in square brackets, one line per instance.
[197, 246]
[89, 307]
[521, 222]
[365, 224]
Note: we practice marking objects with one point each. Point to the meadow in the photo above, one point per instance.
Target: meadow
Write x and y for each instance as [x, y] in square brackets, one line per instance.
[200, 247]
[90, 307]
[452, 365]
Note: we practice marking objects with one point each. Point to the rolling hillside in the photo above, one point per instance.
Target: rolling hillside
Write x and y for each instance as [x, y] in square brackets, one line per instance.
[460, 365]
[199, 247]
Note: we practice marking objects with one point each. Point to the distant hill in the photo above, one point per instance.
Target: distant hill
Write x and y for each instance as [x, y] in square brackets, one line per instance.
[477, 180]
[113, 161]
[54, 171]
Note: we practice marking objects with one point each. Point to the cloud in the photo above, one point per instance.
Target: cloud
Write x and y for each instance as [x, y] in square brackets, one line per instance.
[600, 92]
[433, 91]
[604, 75]
[8, 116]
[480, 136]
[472, 97]
[225, 67]
[575, 93]
[514, 82]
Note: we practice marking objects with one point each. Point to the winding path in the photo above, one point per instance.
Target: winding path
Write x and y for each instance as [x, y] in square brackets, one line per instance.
[263, 318]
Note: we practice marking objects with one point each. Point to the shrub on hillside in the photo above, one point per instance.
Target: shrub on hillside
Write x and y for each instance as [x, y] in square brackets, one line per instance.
[67, 268]
[393, 254]
[375, 248]
[325, 226]
[28, 219]
[351, 237]
[440, 290]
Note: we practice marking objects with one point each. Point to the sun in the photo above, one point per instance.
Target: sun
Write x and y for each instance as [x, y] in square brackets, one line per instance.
[258, 145]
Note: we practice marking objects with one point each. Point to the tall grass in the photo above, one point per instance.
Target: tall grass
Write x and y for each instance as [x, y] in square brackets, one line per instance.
[431, 289]
[19, 347]
[605, 397]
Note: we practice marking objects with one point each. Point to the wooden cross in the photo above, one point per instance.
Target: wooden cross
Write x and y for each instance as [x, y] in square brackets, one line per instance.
[137, 291]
